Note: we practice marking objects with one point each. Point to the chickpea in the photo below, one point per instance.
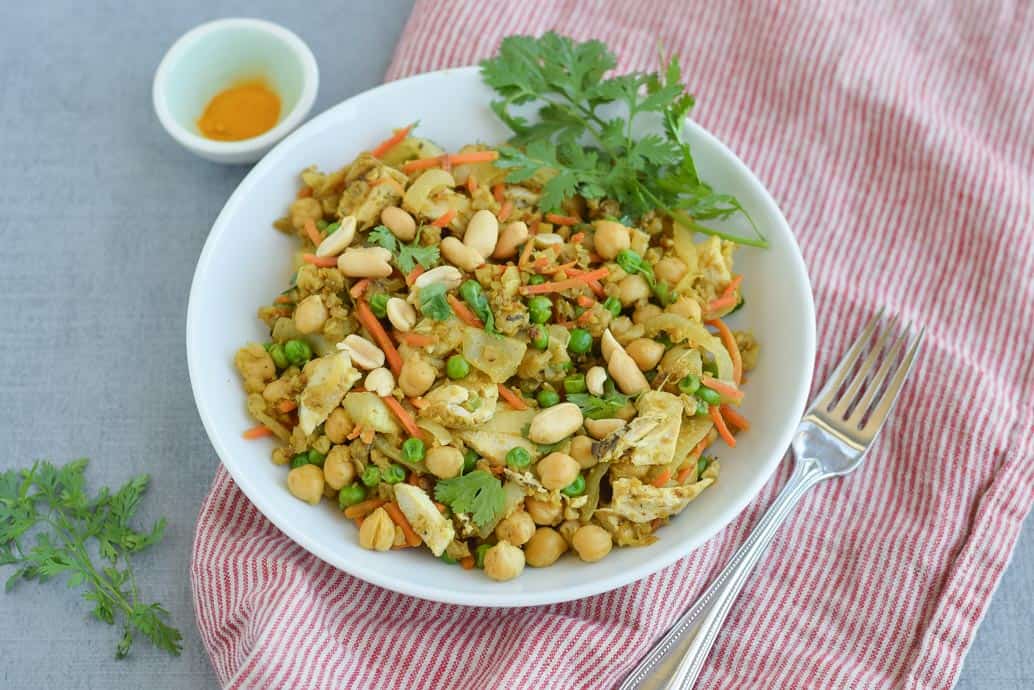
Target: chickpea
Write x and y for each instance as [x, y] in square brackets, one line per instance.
[591, 543]
[416, 377]
[633, 288]
[338, 470]
[557, 470]
[646, 312]
[647, 353]
[503, 562]
[276, 390]
[399, 222]
[543, 512]
[444, 462]
[338, 426]
[516, 529]
[310, 314]
[377, 532]
[567, 529]
[305, 209]
[670, 269]
[544, 547]
[255, 366]
[581, 451]
[686, 306]
[306, 483]
[611, 237]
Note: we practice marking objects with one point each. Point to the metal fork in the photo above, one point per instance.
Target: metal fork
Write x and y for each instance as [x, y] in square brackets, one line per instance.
[831, 441]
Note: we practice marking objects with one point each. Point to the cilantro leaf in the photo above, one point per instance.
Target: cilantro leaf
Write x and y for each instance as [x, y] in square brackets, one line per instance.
[595, 407]
[380, 236]
[407, 256]
[580, 153]
[433, 303]
[477, 493]
[51, 505]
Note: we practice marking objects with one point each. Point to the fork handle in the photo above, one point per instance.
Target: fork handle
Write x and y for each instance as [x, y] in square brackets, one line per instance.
[677, 659]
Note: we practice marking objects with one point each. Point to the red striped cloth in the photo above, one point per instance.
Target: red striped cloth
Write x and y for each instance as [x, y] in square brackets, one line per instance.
[899, 139]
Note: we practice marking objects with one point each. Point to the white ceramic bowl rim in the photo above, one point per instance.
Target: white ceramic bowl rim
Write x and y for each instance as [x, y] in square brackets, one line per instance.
[310, 79]
[260, 494]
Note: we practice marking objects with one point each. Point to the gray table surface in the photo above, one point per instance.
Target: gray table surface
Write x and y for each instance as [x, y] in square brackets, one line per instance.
[102, 217]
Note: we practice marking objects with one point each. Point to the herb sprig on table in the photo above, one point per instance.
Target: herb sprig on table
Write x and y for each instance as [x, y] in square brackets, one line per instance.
[590, 154]
[50, 526]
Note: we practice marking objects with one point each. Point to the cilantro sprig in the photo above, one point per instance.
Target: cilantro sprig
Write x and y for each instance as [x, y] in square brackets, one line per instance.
[599, 407]
[592, 154]
[477, 493]
[433, 303]
[407, 256]
[50, 526]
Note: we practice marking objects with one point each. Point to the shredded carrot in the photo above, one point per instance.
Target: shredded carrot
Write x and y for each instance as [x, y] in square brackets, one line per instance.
[585, 301]
[444, 219]
[661, 479]
[729, 341]
[568, 266]
[473, 157]
[594, 284]
[422, 164]
[722, 388]
[416, 339]
[417, 271]
[735, 418]
[463, 312]
[391, 142]
[543, 265]
[259, 431]
[412, 538]
[578, 281]
[367, 435]
[577, 237]
[313, 232]
[354, 433]
[529, 246]
[505, 210]
[512, 399]
[449, 160]
[719, 423]
[369, 321]
[304, 192]
[439, 506]
[359, 289]
[283, 299]
[684, 473]
[413, 479]
[467, 562]
[497, 192]
[321, 261]
[363, 508]
[585, 317]
[472, 184]
[557, 219]
[727, 298]
[406, 419]
[286, 406]
[418, 402]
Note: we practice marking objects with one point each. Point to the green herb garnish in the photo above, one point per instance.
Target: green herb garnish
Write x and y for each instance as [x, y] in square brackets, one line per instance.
[407, 256]
[433, 303]
[566, 80]
[477, 493]
[50, 505]
[596, 407]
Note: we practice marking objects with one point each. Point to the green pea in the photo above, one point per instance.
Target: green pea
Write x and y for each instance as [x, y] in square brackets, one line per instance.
[575, 488]
[276, 351]
[299, 460]
[613, 305]
[709, 396]
[333, 227]
[518, 458]
[371, 476]
[350, 495]
[457, 367]
[574, 383]
[316, 458]
[540, 309]
[536, 280]
[470, 460]
[297, 352]
[479, 554]
[689, 384]
[580, 342]
[413, 449]
[663, 294]
[539, 338]
[321, 224]
[379, 304]
[448, 559]
[547, 398]
[393, 474]
[703, 409]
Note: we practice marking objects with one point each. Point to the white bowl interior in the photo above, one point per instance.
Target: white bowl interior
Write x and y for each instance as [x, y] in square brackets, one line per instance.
[245, 263]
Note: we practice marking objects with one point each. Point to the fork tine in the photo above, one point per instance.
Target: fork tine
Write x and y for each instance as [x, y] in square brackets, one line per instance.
[891, 362]
[825, 398]
[886, 402]
[843, 406]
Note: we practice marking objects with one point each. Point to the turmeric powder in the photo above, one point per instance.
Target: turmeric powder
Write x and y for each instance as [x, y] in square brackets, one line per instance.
[242, 111]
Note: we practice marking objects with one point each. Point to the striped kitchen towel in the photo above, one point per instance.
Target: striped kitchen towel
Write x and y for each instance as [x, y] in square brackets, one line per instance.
[898, 138]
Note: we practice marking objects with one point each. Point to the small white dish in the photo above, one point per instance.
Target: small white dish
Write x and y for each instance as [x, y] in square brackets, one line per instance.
[211, 57]
[245, 263]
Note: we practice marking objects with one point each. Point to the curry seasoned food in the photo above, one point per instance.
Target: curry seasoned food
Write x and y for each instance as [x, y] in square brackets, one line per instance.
[467, 360]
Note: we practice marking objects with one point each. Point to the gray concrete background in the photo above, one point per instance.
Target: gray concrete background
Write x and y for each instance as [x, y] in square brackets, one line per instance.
[102, 217]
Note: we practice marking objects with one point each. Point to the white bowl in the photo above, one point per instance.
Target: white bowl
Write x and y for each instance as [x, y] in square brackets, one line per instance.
[245, 263]
[209, 58]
